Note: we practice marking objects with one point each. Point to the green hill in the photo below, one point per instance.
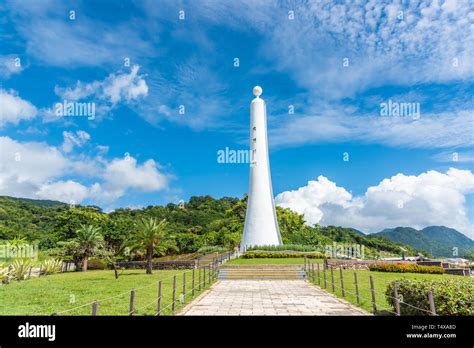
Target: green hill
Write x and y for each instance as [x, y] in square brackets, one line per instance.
[203, 221]
[436, 240]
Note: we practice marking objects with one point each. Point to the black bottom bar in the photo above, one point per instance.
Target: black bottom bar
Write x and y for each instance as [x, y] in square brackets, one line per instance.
[289, 331]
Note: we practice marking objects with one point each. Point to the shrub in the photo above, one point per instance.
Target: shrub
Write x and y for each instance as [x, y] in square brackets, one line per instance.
[405, 268]
[51, 266]
[285, 247]
[19, 268]
[280, 254]
[4, 274]
[451, 296]
[212, 249]
[96, 263]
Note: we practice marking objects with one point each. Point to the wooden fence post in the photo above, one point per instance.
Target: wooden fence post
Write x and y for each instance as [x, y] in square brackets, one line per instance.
[199, 271]
[312, 271]
[158, 309]
[95, 308]
[193, 283]
[432, 304]
[342, 281]
[356, 287]
[305, 263]
[332, 279]
[395, 296]
[209, 275]
[319, 276]
[184, 287]
[324, 274]
[132, 302]
[372, 290]
[204, 277]
[174, 294]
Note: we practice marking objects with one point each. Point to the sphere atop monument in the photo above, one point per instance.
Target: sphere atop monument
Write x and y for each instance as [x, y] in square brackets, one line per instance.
[257, 91]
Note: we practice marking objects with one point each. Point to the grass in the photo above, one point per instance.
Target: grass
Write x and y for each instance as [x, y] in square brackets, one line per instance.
[64, 291]
[381, 280]
[272, 261]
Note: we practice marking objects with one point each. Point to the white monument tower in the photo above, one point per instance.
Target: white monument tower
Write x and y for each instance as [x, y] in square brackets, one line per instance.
[261, 225]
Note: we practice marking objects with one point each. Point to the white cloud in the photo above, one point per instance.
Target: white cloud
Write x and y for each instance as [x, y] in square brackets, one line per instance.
[196, 87]
[53, 39]
[37, 170]
[431, 198]
[442, 130]
[117, 88]
[30, 163]
[102, 149]
[9, 65]
[387, 43]
[454, 156]
[72, 139]
[125, 86]
[13, 109]
[125, 174]
[382, 49]
[65, 191]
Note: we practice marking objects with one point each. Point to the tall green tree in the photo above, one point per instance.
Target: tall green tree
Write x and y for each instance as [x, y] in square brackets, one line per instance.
[152, 236]
[89, 240]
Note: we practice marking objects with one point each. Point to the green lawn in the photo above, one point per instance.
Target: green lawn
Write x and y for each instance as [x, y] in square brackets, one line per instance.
[63, 291]
[381, 280]
[272, 261]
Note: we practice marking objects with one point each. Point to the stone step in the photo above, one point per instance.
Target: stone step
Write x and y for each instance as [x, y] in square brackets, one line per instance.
[222, 277]
[245, 272]
[236, 266]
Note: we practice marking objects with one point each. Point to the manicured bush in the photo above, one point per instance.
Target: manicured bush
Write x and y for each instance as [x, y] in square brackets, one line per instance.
[405, 268]
[96, 263]
[451, 296]
[285, 247]
[280, 254]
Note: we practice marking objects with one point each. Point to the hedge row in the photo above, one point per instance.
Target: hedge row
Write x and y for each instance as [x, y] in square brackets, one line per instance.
[280, 254]
[405, 268]
[96, 263]
[451, 296]
[284, 247]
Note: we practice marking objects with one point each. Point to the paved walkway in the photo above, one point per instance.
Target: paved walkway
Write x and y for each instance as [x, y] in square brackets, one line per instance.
[268, 297]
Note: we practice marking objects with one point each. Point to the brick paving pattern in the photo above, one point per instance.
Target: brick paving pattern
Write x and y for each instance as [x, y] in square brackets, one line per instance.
[268, 297]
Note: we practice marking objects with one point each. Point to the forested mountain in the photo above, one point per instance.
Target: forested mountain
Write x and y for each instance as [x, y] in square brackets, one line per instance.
[436, 240]
[203, 221]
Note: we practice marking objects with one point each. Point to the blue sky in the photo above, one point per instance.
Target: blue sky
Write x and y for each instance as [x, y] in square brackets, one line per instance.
[333, 62]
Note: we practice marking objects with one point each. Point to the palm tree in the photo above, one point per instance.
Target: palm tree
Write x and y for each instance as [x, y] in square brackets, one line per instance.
[151, 235]
[89, 239]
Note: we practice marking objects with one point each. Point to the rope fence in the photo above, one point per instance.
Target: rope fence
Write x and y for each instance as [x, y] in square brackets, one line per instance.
[398, 300]
[199, 279]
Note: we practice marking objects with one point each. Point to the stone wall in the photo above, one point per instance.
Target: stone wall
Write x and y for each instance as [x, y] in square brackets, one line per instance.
[159, 265]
